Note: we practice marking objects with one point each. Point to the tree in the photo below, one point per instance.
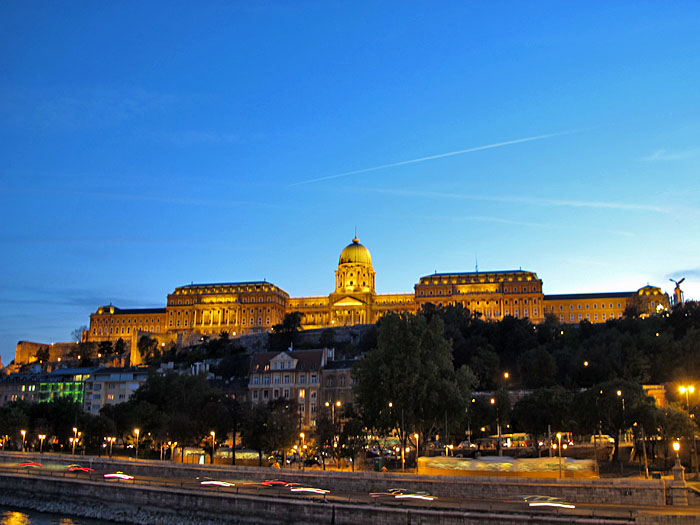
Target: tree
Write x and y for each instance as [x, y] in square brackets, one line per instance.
[286, 333]
[611, 407]
[148, 348]
[77, 334]
[542, 410]
[283, 425]
[353, 438]
[42, 355]
[105, 348]
[537, 368]
[412, 369]
[254, 429]
[119, 347]
[325, 434]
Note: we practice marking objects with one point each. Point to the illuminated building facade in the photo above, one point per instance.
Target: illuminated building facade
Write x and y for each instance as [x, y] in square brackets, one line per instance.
[43, 387]
[601, 307]
[245, 308]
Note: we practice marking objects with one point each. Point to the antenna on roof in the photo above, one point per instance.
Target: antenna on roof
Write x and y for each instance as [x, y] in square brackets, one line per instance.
[476, 258]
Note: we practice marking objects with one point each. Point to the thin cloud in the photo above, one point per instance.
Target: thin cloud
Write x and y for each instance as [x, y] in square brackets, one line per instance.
[196, 138]
[523, 200]
[662, 155]
[680, 274]
[150, 197]
[434, 157]
[511, 222]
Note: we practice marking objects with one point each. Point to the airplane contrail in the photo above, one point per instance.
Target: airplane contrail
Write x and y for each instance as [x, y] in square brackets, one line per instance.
[433, 157]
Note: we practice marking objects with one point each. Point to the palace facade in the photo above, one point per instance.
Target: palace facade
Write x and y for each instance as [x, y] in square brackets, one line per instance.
[245, 308]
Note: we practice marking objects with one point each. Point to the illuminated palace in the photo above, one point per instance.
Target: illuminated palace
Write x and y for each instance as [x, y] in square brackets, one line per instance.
[255, 307]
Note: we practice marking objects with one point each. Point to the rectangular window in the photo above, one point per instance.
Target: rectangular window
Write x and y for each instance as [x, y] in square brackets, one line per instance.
[286, 379]
[286, 393]
[313, 379]
[255, 394]
[266, 394]
[256, 380]
[302, 378]
[579, 317]
[571, 317]
[302, 393]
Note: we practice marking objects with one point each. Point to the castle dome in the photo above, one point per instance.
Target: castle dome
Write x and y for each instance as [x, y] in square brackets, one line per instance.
[355, 253]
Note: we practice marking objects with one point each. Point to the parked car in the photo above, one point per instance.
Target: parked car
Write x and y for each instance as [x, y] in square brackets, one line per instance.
[602, 439]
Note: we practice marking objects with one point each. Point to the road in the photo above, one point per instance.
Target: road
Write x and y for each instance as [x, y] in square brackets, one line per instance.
[280, 488]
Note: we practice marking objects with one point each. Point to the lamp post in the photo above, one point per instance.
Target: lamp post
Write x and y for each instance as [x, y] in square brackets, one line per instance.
[498, 426]
[137, 431]
[24, 433]
[42, 437]
[687, 390]
[213, 445]
[559, 448]
[676, 448]
[401, 439]
[75, 439]
[417, 448]
[111, 441]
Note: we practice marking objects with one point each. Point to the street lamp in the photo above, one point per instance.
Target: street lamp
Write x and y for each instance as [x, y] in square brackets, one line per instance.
[619, 394]
[213, 445]
[75, 439]
[24, 433]
[137, 431]
[42, 437]
[687, 390]
[417, 449]
[676, 448]
[559, 447]
[498, 426]
[111, 441]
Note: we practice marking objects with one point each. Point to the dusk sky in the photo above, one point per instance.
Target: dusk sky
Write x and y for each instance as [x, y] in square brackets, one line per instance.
[147, 145]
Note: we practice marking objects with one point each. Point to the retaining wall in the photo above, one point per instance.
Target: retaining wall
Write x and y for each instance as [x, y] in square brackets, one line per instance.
[623, 491]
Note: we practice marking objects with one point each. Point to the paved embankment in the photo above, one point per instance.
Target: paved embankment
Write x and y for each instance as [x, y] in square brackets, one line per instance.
[623, 491]
[183, 502]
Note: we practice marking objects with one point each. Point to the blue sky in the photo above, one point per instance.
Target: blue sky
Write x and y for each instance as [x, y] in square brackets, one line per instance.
[148, 145]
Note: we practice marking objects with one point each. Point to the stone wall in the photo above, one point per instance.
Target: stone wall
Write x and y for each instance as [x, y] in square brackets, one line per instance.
[625, 491]
[128, 503]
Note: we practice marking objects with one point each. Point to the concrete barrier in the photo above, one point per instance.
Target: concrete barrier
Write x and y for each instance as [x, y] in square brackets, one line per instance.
[133, 503]
[623, 491]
